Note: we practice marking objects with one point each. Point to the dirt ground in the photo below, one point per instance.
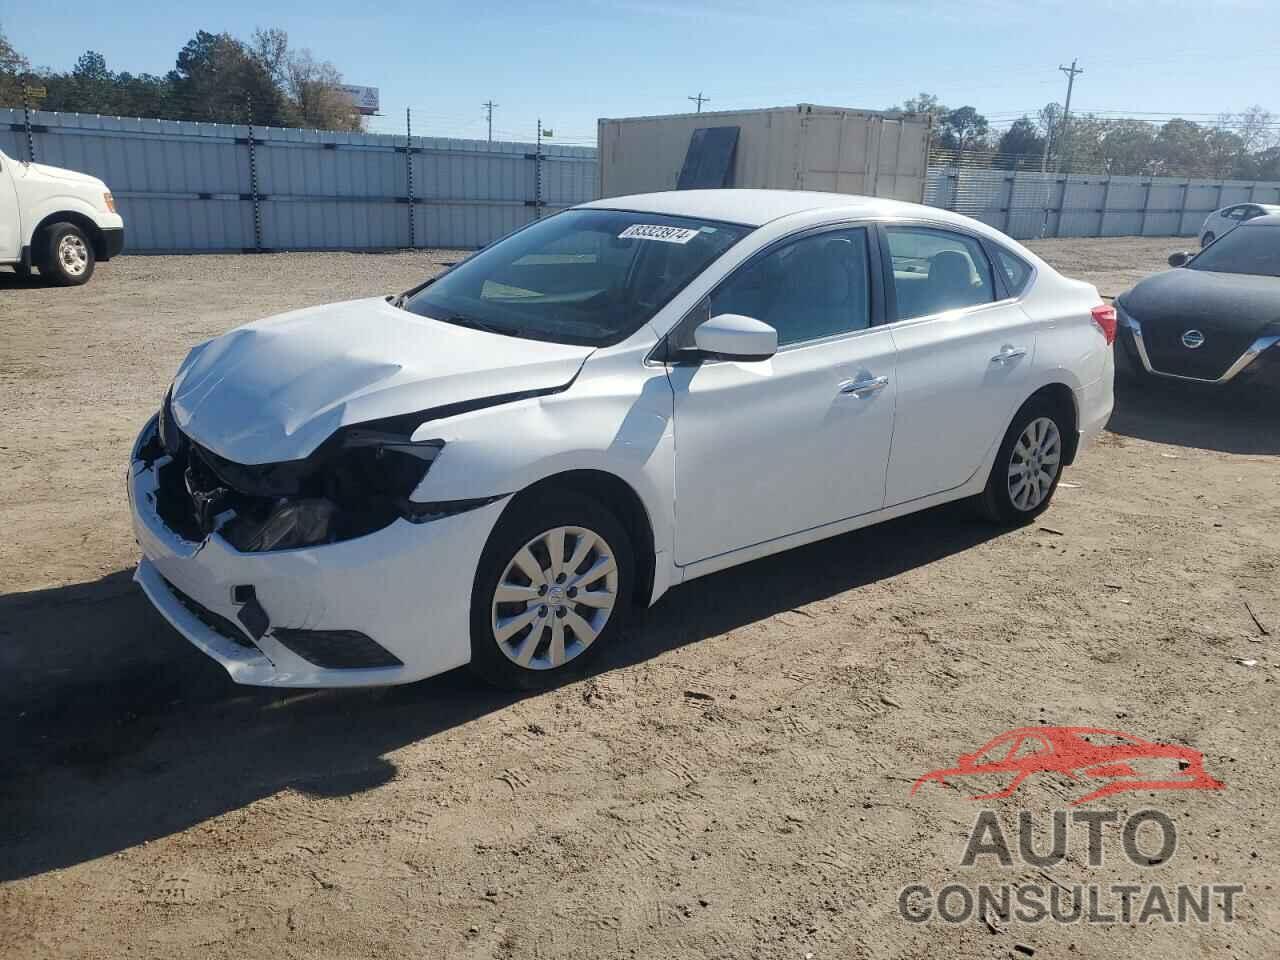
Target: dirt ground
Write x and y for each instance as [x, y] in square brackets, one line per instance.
[732, 781]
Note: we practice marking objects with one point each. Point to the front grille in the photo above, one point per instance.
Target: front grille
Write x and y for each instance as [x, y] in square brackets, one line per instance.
[214, 621]
[1209, 362]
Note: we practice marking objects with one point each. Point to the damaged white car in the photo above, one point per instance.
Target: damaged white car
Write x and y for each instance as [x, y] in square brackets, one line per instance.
[495, 467]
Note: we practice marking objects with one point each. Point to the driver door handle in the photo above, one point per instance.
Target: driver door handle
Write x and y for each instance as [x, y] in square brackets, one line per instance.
[864, 388]
[1008, 353]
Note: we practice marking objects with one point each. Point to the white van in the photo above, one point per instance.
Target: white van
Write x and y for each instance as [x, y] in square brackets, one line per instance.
[56, 220]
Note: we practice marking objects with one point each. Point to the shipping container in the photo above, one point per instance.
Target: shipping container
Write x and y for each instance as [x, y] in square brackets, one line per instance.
[805, 147]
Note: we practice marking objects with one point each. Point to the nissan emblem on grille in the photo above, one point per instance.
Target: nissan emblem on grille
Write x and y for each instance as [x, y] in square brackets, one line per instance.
[1193, 339]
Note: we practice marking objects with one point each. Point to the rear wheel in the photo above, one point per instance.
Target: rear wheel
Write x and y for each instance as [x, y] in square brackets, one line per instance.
[552, 589]
[1028, 465]
[67, 257]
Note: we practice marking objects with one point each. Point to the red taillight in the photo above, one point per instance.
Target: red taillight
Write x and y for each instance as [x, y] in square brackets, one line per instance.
[1105, 317]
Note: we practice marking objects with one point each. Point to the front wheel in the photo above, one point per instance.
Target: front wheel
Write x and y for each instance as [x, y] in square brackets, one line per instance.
[552, 589]
[67, 258]
[1028, 465]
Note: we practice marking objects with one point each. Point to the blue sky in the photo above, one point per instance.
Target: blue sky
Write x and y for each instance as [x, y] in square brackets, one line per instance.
[574, 62]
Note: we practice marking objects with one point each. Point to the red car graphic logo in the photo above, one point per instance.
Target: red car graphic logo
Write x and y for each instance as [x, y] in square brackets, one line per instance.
[1081, 754]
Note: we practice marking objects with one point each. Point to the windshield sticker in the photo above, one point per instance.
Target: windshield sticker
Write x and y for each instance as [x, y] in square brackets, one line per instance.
[654, 231]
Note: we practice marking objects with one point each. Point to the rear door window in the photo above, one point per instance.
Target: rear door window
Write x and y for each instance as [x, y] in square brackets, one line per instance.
[935, 271]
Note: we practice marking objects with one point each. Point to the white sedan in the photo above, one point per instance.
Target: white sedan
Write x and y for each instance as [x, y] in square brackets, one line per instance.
[495, 467]
[1221, 222]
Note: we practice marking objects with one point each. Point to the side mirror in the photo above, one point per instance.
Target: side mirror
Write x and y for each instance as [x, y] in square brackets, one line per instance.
[731, 336]
[1180, 259]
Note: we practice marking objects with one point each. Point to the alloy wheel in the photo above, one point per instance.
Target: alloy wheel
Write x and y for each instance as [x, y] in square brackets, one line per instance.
[1034, 463]
[554, 597]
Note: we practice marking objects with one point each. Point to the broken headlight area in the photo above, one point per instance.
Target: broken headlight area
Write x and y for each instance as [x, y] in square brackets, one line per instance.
[357, 482]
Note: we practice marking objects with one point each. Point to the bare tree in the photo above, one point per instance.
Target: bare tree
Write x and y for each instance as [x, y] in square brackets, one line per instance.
[315, 87]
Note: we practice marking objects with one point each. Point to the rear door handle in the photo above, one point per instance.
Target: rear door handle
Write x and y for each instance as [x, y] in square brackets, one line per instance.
[864, 388]
[1008, 353]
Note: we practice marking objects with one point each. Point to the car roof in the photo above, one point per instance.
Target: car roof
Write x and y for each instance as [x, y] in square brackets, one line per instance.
[1266, 220]
[755, 208]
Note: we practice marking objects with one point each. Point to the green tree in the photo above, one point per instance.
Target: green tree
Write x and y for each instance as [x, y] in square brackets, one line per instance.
[963, 129]
[1180, 150]
[1128, 147]
[1021, 146]
[216, 78]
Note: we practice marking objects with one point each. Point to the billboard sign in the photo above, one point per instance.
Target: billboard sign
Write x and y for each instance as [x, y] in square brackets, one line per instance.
[365, 98]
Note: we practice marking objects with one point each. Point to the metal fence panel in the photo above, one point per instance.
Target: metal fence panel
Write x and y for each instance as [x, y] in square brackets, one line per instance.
[1029, 204]
[188, 186]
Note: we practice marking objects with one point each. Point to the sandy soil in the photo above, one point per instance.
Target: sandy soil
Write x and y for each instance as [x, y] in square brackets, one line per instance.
[733, 780]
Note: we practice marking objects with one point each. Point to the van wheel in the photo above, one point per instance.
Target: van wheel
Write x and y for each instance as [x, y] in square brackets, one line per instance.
[67, 258]
[1028, 465]
[552, 589]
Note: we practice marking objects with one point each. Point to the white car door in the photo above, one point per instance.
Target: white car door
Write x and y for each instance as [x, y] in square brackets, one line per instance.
[964, 351]
[773, 447]
[10, 221]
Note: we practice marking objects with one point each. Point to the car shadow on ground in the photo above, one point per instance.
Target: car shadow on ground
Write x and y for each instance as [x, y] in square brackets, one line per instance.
[17, 281]
[1235, 419]
[121, 732]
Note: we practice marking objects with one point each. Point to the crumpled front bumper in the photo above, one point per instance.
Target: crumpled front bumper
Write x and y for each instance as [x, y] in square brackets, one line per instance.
[407, 586]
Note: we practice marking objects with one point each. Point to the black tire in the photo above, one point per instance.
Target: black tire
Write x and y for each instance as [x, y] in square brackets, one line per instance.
[59, 267]
[527, 518]
[997, 502]
[1207, 239]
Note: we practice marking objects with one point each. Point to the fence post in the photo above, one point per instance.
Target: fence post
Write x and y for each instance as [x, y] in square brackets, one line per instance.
[537, 175]
[1146, 205]
[1012, 180]
[26, 122]
[1182, 214]
[1106, 201]
[408, 160]
[1062, 203]
[253, 183]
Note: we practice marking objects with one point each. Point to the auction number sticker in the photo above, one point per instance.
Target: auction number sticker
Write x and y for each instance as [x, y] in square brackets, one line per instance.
[654, 231]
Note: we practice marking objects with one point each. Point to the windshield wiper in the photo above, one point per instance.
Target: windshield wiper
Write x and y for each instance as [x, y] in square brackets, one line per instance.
[463, 320]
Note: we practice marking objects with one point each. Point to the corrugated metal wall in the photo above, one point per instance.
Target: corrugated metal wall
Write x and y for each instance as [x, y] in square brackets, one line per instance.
[189, 186]
[1029, 205]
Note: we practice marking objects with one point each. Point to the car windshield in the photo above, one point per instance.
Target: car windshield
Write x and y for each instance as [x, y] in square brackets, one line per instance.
[588, 277]
[1248, 249]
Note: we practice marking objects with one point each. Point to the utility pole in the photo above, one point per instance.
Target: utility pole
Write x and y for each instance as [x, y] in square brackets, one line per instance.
[1071, 72]
[488, 106]
[699, 100]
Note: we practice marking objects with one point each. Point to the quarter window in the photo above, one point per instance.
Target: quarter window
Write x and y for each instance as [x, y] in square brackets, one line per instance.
[936, 270]
[1017, 272]
[812, 288]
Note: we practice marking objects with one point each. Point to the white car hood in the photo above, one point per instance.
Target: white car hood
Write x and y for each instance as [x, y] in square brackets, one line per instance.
[274, 390]
[59, 173]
